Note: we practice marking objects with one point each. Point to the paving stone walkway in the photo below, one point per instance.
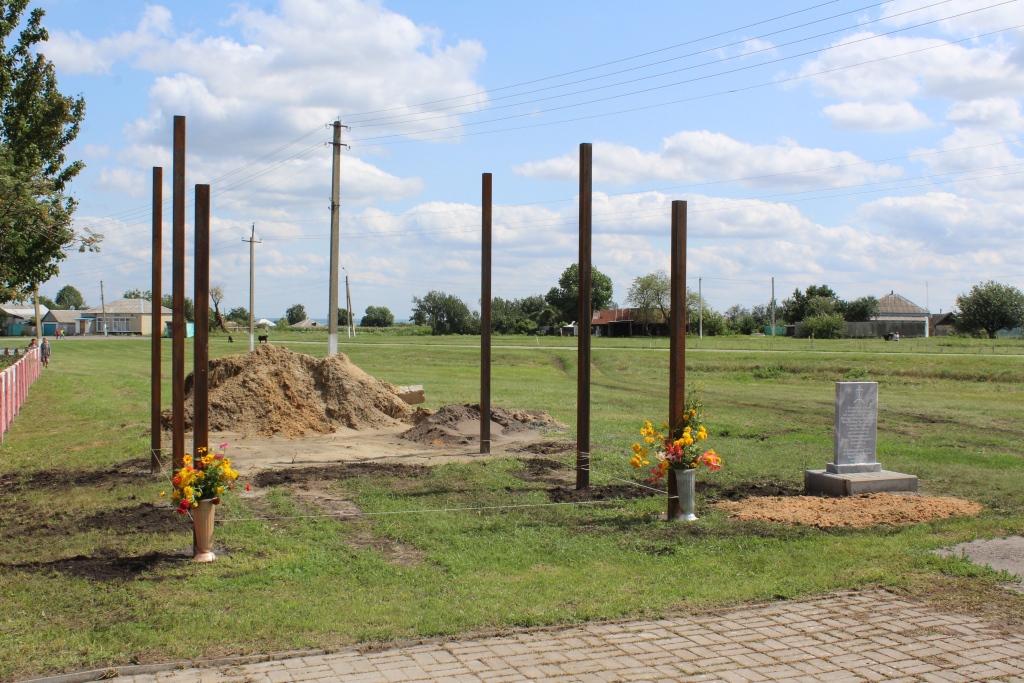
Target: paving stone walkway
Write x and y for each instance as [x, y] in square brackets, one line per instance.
[845, 637]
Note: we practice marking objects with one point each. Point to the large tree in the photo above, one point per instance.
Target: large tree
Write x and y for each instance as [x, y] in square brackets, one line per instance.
[36, 123]
[70, 299]
[377, 316]
[295, 314]
[820, 299]
[565, 297]
[989, 306]
[651, 296]
[445, 313]
[217, 296]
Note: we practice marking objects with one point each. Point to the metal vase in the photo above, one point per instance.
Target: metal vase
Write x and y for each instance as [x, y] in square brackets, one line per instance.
[202, 523]
[685, 480]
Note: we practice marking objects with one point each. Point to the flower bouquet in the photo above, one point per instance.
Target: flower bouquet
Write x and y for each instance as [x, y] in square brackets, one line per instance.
[197, 488]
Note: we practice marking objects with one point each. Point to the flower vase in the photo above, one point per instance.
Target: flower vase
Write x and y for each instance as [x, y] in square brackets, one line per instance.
[685, 480]
[202, 523]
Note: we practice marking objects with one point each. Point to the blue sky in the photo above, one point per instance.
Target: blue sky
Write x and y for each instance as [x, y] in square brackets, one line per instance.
[871, 146]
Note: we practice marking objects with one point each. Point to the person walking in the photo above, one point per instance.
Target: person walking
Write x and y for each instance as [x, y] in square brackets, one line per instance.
[44, 353]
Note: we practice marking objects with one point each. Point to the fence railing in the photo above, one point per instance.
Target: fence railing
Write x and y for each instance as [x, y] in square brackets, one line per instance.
[14, 383]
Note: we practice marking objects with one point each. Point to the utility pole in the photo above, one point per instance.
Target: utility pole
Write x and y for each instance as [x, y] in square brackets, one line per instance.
[700, 314]
[773, 307]
[103, 303]
[252, 284]
[332, 296]
[350, 327]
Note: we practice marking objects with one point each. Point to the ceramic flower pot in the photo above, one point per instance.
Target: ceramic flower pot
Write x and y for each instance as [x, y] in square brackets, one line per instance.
[685, 480]
[202, 521]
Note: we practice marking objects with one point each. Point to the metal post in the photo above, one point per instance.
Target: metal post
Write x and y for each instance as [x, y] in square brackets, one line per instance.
[583, 319]
[773, 308]
[157, 321]
[485, 318]
[700, 298]
[178, 296]
[677, 344]
[332, 296]
[201, 343]
[103, 304]
[252, 286]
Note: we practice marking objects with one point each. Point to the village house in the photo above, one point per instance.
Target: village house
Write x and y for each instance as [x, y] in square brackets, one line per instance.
[124, 316]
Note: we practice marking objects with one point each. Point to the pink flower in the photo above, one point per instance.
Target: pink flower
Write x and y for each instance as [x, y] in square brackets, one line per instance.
[224, 445]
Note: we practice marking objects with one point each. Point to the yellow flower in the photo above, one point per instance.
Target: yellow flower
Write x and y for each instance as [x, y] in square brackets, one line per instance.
[220, 489]
[187, 460]
[637, 447]
[649, 439]
[678, 442]
[664, 426]
[187, 492]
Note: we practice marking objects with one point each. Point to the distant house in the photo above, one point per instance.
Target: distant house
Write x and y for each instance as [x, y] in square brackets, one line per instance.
[66, 321]
[940, 324]
[894, 308]
[15, 318]
[616, 322]
[124, 316]
[306, 324]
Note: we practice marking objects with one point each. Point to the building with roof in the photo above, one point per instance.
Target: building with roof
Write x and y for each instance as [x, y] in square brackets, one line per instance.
[308, 323]
[66, 321]
[124, 316]
[895, 308]
[16, 318]
[616, 322]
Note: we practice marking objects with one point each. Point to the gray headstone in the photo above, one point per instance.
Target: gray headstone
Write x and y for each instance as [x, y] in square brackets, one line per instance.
[856, 427]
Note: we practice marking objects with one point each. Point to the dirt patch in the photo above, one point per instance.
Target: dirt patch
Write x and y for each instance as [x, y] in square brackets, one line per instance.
[459, 424]
[127, 472]
[105, 567]
[274, 390]
[747, 489]
[873, 509]
[545, 447]
[142, 519]
[543, 470]
[394, 552]
[564, 494]
[302, 475]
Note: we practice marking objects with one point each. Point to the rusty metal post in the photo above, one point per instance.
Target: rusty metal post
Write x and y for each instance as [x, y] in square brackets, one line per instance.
[178, 297]
[677, 344]
[485, 319]
[201, 343]
[156, 328]
[583, 319]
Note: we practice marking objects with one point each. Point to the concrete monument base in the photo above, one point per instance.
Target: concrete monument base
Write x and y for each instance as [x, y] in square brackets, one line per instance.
[821, 482]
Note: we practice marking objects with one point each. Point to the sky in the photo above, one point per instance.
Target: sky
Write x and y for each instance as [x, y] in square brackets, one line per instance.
[871, 146]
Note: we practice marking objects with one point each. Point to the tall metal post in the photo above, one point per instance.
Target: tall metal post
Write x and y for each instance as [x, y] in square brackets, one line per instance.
[332, 296]
[485, 318]
[583, 319]
[201, 343]
[157, 327]
[252, 286]
[178, 297]
[677, 343]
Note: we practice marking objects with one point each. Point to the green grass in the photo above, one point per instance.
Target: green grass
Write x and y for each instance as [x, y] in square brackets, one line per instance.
[952, 419]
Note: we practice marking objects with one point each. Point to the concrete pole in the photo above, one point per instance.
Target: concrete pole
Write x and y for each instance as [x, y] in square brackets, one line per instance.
[39, 318]
[178, 296]
[677, 344]
[252, 286]
[103, 305]
[485, 317]
[157, 321]
[332, 297]
[583, 319]
[201, 343]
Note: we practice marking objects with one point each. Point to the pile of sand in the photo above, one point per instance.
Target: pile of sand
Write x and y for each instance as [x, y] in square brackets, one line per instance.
[273, 390]
[871, 509]
[459, 424]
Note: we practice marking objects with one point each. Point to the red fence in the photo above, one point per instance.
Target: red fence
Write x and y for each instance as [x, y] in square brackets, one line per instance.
[14, 384]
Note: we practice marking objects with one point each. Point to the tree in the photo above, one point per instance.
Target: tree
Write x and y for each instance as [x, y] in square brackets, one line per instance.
[36, 123]
[989, 306]
[651, 296]
[295, 314]
[377, 316]
[139, 294]
[444, 313]
[794, 309]
[239, 315]
[342, 317]
[48, 302]
[823, 326]
[216, 296]
[859, 310]
[189, 306]
[565, 297]
[70, 299]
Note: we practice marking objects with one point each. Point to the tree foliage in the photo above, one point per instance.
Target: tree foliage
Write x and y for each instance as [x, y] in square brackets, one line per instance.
[342, 317]
[989, 306]
[823, 326]
[217, 296]
[36, 123]
[651, 297]
[69, 298]
[140, 294]
[444, 313]
[377, 316]
[521, 316]
[167, 301]
[239, 314]
[565, 297]
[295, 314]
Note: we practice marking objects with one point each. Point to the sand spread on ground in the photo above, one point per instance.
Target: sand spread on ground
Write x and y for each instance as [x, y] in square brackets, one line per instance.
[459, 423]
[274, 390]
[872, 509]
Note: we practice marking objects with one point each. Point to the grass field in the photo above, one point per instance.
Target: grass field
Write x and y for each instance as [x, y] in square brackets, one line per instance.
[91, 575]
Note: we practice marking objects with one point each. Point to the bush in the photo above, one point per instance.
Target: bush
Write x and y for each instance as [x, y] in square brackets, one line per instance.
[827, 326]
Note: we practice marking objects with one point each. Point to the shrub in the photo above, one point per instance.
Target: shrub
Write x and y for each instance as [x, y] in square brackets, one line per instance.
[827, 326]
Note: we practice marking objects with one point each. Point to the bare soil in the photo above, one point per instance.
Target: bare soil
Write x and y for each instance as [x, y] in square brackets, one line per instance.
[459, 424]
[873, 509]
[303, 475]
[134, 470]
[105, 565]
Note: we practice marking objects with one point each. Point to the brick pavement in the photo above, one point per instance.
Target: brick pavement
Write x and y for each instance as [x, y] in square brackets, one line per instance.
[839, 638]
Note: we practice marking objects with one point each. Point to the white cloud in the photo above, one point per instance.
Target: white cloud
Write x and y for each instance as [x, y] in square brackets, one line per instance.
[74, 53]
[882, 118]
[703, 156]
[995, 112]
[978, 16]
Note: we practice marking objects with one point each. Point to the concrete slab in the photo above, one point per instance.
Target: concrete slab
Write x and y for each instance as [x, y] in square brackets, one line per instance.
[1006, 554]
[821, 482]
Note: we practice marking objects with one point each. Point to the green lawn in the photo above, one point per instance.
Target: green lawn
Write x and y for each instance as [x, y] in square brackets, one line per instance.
[951, 414]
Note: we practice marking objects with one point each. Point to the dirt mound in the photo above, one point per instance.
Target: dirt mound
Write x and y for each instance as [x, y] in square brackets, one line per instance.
[273, 390]
[873, 509]
[328, 473]
[459, 424]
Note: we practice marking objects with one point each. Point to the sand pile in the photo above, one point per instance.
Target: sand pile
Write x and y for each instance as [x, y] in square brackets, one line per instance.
[459, 424]
[276, 391]
[871, 509]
